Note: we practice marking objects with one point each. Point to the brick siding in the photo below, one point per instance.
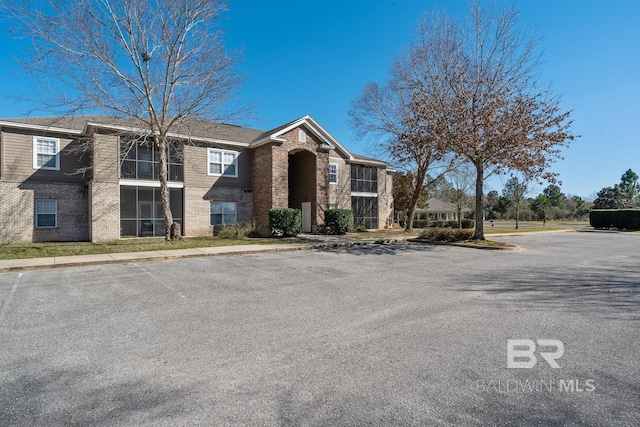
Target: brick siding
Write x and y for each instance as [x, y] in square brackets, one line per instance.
[17, 212]
[197, 207]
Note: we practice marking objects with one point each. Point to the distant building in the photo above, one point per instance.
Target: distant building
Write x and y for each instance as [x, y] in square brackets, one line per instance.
[439, 210]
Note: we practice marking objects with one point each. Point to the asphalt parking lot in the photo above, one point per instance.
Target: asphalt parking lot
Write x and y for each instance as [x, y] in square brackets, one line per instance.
[379, 335]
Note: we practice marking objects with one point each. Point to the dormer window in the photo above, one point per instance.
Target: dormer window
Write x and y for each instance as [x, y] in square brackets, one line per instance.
[302, 136]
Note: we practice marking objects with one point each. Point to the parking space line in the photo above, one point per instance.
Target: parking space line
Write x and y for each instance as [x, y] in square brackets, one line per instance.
[145, 271]
[7, 302]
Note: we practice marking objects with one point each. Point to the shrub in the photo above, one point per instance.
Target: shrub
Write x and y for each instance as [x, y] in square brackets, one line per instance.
[420, 223]
[238, 231]
[439, 234]
[623, 219]
[360, 228]
[468, 223]
[285, 222]
[338, 221]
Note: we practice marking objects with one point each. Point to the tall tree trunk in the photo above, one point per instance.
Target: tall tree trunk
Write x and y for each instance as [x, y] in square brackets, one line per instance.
[417, 190]
[161, 146]
[460, 217]
[517, 215]
[479, 233]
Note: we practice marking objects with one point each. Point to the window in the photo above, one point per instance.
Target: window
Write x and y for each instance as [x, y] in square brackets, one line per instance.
[46, 213]
[364, 179]
[141, 161]
[333, 206]
[46, 153]
[302, 136]
[333, 173]
[141, 213]
[365, 211]
[223, 213]
[223, 163]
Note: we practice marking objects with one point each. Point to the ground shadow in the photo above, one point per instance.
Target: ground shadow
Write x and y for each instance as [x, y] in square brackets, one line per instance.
[609, 292]
[43, 395]
[378, 249]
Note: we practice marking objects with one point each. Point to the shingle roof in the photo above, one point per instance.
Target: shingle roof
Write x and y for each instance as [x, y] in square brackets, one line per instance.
[190, 127]
[437, 205]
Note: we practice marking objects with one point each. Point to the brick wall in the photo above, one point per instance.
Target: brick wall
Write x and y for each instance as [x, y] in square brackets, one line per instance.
[271, 177]
[385, 199]
[197, 207]
[104, 189]
[17, 212]
[262, 187]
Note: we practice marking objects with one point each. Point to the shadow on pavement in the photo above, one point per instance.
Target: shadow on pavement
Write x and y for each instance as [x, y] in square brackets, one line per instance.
[39, 394]
[608, 292]
[380, 249]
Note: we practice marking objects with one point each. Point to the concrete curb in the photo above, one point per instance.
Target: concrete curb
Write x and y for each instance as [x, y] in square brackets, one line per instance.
[27, 264]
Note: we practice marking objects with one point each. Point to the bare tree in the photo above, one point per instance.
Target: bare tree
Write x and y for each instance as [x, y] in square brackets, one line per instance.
[157, 62]
[461, 179]
[514, 191]
[390, 112]
[481, 76]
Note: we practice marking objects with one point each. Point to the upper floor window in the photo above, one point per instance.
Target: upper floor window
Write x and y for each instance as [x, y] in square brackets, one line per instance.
[333, 173]
[223, 163]
[302, 136]
[46, 213]
[142, 161]
[364, 179]
[46, 153]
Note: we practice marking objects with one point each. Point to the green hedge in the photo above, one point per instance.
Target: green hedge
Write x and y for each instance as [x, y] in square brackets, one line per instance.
[623, 219]
[437, 234]
[338, 221]
[285, 222]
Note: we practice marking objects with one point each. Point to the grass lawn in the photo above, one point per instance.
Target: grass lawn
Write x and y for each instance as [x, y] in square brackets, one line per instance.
[531, 226]
[53, 249]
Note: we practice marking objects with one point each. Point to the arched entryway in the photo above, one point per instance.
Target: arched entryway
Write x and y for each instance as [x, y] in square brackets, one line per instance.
[302, 186]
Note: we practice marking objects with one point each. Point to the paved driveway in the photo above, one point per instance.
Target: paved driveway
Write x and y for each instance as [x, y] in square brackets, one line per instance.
[382, 335]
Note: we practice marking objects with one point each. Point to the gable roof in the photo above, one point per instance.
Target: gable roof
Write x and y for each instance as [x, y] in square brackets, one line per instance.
[199, 130]
[437, 205]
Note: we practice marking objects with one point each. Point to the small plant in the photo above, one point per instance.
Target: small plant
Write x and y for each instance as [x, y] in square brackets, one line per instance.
[285, 222]
[338, 221]
[360, 228]
[237, 232]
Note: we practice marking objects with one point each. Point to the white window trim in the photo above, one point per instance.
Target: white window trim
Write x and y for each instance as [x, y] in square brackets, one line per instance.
[35, 153]
[337, 169]
[236, 155]
[36, 214]
[235, 219]
[302, 135]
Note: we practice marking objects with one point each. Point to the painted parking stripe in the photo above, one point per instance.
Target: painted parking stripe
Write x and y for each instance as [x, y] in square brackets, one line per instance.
[159, 281]
[7, 302]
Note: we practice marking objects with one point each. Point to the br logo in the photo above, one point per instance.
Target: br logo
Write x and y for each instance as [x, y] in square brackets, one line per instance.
[521, 354]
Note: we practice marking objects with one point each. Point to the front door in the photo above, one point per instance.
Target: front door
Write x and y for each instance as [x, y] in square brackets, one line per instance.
[306, 217]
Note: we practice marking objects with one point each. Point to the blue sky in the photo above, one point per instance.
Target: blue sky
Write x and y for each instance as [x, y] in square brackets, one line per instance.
[314, 57]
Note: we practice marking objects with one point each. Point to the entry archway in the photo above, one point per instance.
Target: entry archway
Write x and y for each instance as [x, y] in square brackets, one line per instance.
[302, 185]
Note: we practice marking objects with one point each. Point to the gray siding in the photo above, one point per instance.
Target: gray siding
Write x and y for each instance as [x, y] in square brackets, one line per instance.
[16, 161]
[196, 164]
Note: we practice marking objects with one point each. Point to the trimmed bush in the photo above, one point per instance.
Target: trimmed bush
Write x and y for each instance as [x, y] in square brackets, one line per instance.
[623, 219]
[438, 234]
[420, 223]
[468, 223]
[285, 222]
[338, 221]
